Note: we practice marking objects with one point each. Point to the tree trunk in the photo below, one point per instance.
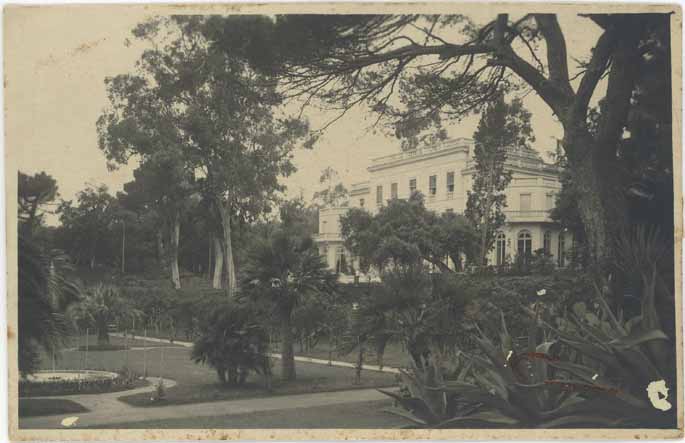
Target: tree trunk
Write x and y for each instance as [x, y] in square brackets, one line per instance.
[218, 263]
[601, 203]
[173, 250]
[103, 332]
[483, 242]
[160, 247]
[221, 374]
[230, 281]
[210, 243]
[287, 352]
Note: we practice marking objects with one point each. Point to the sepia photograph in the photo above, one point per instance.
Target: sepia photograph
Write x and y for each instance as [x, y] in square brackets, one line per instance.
[344, 221]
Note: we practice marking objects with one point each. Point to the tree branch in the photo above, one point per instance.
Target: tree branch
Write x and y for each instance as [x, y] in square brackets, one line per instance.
[557, 63]
[598, 64]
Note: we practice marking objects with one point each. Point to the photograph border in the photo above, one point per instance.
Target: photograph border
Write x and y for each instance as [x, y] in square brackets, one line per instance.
[13, 15]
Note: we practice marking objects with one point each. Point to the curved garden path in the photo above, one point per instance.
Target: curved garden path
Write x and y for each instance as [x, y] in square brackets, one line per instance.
[105, 409]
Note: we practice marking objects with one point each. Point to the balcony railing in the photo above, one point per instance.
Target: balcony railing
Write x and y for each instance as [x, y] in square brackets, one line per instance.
[530, 215]
[418, 152]
[328, 236]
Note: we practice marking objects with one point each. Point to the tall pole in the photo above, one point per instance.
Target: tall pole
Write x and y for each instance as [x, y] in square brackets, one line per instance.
[123, 245]
[85, 360]
[145, 354]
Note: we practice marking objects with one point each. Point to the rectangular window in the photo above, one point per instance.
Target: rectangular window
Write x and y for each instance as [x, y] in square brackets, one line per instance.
[379, 195]
[433, 184]
[450, 182]
[361, 202]
[393, 190]
[525, 202]
[412, 186]
[550, 201]
[340, 261]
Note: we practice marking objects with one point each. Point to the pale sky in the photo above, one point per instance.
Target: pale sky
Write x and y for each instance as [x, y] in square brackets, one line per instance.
[55, 92]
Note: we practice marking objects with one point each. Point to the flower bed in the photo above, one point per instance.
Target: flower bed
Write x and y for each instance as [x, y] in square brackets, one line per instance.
[74, 382]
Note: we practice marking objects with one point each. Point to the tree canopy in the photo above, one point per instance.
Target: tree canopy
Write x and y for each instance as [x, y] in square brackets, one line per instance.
[418, 71]
[35, 192]
[404, 233]
[211, 110]
[503, 126]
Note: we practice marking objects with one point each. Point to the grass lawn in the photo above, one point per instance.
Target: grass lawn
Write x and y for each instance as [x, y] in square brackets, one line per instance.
[115, 343]
[364, 415]
[33, 407]
[394, 355]
[198, 383]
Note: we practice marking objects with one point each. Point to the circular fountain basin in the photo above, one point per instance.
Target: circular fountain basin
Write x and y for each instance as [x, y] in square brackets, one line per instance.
[61, 376]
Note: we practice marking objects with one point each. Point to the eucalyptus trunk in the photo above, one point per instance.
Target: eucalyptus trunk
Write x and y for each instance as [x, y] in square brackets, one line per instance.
[218, 263]
[230, 279]
[160, 247]
[174, 236]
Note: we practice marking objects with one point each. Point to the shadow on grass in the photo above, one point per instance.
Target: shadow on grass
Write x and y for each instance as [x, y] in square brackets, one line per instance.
[34, 407]
[362, 415]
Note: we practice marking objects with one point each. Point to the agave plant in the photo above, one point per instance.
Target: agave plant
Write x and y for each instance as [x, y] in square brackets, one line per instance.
[425, 398]
[623, 357]
[595, 373]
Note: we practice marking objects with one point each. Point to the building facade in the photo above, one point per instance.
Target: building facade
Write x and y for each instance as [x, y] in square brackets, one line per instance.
[444, 173]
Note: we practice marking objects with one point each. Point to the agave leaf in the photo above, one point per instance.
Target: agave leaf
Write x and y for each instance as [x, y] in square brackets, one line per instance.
[580, 421]
[394, 395]
[601, 404]
[465, 370]
[593, 351]
[638, 369]
[453, 386]
[638, 338]
[493, 383]
[585, 373]
[488, 419]
[632, 325]
[496, 358]
[404, 414]
[609, 313]
[494, 402]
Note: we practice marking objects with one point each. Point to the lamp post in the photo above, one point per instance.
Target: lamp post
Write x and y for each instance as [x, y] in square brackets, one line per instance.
[360, 357]
[123, 245]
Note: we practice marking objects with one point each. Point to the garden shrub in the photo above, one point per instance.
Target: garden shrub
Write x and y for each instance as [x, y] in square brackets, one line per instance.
[491, 296]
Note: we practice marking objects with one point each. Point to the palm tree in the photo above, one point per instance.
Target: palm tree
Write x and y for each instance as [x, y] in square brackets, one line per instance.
[44, 294]
[281, 270]
[233, 343]
[101, 305]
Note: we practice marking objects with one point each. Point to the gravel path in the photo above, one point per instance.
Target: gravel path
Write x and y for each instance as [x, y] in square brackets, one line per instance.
[106, 410]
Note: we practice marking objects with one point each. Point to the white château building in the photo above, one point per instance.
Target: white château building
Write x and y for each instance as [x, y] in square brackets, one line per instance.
[443, 173]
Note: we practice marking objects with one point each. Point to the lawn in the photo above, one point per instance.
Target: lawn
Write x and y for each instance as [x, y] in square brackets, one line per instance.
[364, 415]
[198, 383]
[32, 407]
[394, 355]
